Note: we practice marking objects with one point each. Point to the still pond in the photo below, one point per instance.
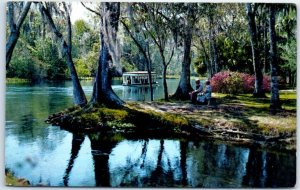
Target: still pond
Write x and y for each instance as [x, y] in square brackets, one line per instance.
[47, 155]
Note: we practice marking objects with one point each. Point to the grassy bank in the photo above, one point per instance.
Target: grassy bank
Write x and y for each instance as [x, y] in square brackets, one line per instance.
[17, 81]
[240, 118]
[11, 180]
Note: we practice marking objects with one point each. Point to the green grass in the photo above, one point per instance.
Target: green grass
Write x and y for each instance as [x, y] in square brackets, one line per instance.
[248, 113]
[11, 180]
[16, 81]
[240, 112]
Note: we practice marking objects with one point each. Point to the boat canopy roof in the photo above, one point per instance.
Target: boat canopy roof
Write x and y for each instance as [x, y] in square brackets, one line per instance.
[136, 73]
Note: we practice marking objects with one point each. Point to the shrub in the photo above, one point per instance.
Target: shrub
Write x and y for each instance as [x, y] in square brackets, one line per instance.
[234, 82]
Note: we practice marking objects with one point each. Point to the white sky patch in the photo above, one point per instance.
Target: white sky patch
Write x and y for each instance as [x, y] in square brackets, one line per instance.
[79, 12]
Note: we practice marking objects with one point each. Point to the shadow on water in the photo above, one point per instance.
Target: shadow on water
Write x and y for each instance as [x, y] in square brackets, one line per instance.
[77, 141]
[269, 169]
[175, 163]
[113, 161]
[101, 147]
[120, 162]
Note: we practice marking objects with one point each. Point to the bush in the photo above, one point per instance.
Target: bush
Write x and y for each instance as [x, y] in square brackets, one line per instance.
[234, 82]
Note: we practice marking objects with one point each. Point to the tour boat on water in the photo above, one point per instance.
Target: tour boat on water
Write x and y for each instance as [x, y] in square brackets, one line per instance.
[138, 78]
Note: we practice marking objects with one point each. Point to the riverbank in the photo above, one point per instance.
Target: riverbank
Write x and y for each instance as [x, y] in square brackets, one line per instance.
[11, 180]
[237, 119]
[17, 81]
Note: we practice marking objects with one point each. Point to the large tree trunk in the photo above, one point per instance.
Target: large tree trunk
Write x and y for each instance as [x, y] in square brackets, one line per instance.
[184, 86]
[14, 29]
[275, 102]
[102, 91]
[258, 89]
[78, 93]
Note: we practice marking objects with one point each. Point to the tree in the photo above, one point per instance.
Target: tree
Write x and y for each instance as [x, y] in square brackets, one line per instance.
[78, 93]
[109, 52]
[287, 44]
[212, 39]
[160, 32]
[14, 28]
[141, 41]
[187, 22]
[275, 102]
[251, 11]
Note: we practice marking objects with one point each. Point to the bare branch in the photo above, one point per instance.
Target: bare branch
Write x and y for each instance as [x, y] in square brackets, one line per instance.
[134, 39]
[168, 63]
[91, 10]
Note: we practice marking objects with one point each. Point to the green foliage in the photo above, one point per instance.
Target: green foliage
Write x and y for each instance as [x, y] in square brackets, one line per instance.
[126, 66]
[48, 55]
[200, 66]
[38, 56]
[289, 55]
[81, 68]
[81, 27]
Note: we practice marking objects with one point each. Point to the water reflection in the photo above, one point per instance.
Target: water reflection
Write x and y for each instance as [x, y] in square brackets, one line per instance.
[164, 163]
[269, 169]
[77, 140]
[47, 155]
[101, 147]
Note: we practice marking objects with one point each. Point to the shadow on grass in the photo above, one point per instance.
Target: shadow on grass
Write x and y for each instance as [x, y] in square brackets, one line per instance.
[242, 107]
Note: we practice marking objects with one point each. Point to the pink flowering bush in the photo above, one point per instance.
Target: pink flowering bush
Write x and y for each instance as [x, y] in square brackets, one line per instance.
[217, 81]
[235, 83]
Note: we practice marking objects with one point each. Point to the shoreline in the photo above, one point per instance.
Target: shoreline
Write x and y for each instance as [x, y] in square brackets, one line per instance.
[185, 120]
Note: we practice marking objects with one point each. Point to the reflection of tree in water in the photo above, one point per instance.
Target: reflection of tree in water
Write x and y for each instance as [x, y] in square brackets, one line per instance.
[76, 145]
[183, 155]
[255, 169]
[102, 145]
[214, 165]
[160, 177]
[165, 163]
[266, 169]
[149, 164]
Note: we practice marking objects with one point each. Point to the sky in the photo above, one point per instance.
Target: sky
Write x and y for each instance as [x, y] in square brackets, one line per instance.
[78, 12]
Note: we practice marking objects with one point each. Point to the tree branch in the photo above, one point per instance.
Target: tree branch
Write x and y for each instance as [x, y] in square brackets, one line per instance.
[168, 63]
[46, 12]
[10, 16]
[134, 39]
[91, 10]
[23, 15]
[69, 28]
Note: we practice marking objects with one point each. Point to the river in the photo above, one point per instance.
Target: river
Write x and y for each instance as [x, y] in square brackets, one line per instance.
[47, 155]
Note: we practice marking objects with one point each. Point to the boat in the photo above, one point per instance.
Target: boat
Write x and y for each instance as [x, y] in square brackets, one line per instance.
[138, 78]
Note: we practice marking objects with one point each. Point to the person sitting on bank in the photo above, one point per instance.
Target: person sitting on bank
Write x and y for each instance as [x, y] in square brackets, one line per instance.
[206, 95]
[199, 89]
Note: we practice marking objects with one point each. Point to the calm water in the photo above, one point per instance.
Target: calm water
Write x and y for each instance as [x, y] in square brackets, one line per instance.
[46, 155]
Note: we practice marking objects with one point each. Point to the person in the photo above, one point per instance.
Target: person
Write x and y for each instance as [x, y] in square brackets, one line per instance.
[206, 95]
[199, 89]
